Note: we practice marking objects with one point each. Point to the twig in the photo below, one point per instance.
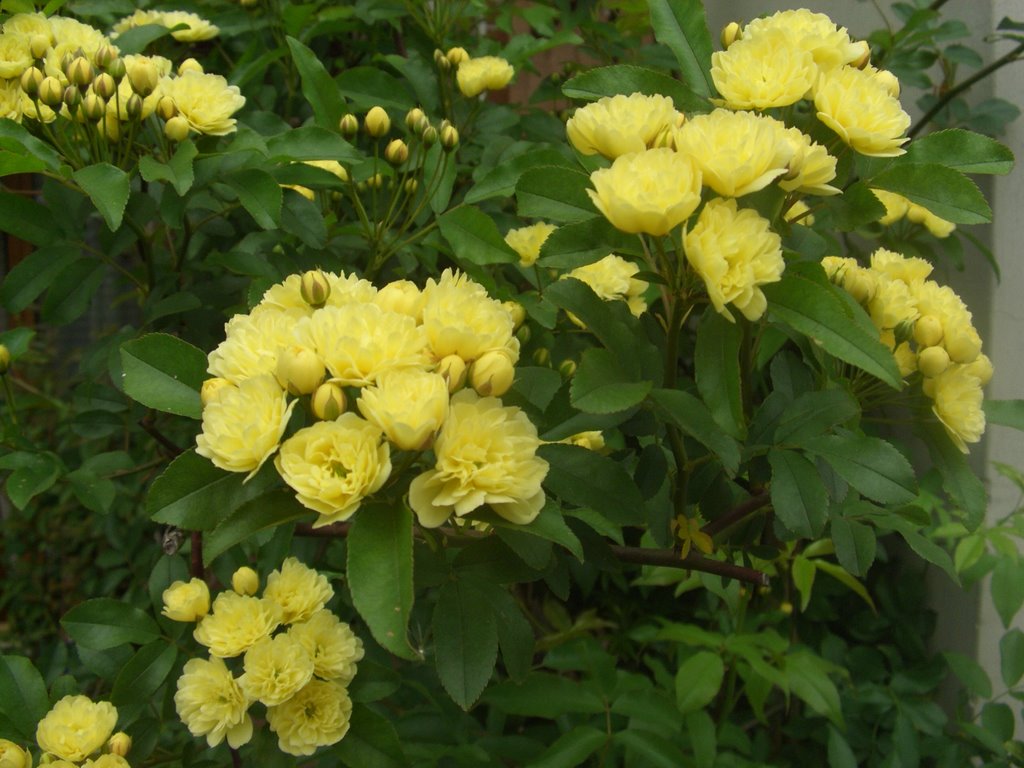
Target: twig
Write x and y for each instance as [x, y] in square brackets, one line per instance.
[196, 561]
[236, 759]
[736, 514]
[669, 558]
[153, 432]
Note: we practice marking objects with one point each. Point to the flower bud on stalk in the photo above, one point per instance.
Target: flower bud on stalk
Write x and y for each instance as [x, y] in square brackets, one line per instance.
[190, 65]
[38, 46]
[116, 69]
[119, 744]
[928, 330]
[452, 369]
[429, 136]
[542, 356]
[413, 118]
[349, 126]
[441, 60]
[176, 129]
[13, 756]
[397, 152]
[133, 107]
[300, 370]
[731, 32]
[245, 581]
[516, 310]
[493, 373]
[524, 334]
[329, 401]
[50, 92]
[315, 288]
[143, 76]
[456, 56]
[449, 138]
[104, 86]
[932, 361]
[94, 107]
[104, 55]
[210, 389]
[72, 98]
[80, 72]
[31, 79]
[567, 368]
[377, 122]
[165, 108]
[410, 186]
[5, 359]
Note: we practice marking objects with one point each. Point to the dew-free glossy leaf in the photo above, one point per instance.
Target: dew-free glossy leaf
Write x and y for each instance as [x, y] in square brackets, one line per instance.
[165, 373]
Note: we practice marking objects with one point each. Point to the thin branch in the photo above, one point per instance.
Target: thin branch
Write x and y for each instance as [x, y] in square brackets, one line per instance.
[157, 435]
[196, 563]
[735, 515]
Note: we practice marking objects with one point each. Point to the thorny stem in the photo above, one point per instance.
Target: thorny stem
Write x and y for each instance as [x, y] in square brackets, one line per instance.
[737, 514]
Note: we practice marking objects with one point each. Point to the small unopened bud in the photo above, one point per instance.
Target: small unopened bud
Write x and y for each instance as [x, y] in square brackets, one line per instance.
[449, 138]
[397, 152]
[349, 126]
[190, 65]
[889, 81]
[493, 373]
[928, 331]
[133, 107]
[410, 186]
[452, 369]
[119, 744]
[542, 356]
[429, 136]
[315, 288]
[50, 92]
[165, 108]
[932, 361]
[329, 401]
[104, 85]
[186, 601]
[413, 118]
[210, 388]
[245, 581]
[13, 756]
[524, 334]
[94, 107]
[786, 607]
[567, 368]
[731, 32]
[963, 344]
[865, 55]
[39, 45]
[176, 129]
[117, 69]
[5, 359]
[80, 72]
[377, 122]
[104, 55]
[300, 370]
[441, 60]
[456, 56]
[515, 309]
[376, 181]
[72, 98]
[143, 76]
[31, 79]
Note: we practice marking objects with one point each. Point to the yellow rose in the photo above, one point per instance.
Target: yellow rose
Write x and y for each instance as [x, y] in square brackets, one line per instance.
[486, 454]
[403, 297]
[896, 206]
[981, 369]
[527, 241]
[344, 289]
[108, 760]
[11, 101]
[958, 400]
[899, 267]
[936, 225]
[618, 125]
[846, 272]
[735, 252]
[28, 24]
[242, 425]
[592, 440]
[15, 55]
[859, 109]
[359, 342]
[813, 32]
[275, 669]
[76, 727]
[737, 152]
[299, 590]
[299, 370]
[931, 361]
[408, 405]
[461, 319]
[811, 168]
[799, 213]
[196, 28]
[252, 342]
[236, 624]
[650, 192]
[489, 73]
[763, 71]
[333, 465]
[205, 101]
[69, 35]
[892, 304]
[612, 278]
[211, 703]
[316, 716]
[134, 63]
[13, 756]
[245, 581]
[186, 600]
[334, 648]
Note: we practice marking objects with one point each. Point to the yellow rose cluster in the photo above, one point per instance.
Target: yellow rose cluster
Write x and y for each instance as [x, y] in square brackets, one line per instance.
[476, 75]
[898, 207]
[930, 331]
[58, 67]
[401, 355]
[77, 731]
[296, 659]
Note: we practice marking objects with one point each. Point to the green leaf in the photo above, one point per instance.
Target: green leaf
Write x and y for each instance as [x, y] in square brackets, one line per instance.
[274, 508]
[177, 171]
[14, 159]
[840, 575]
[165, 373]
[465, 640]
[144, 673]
[813, 413]
[716, 359]
[840, 755]
[693, 417]
[588, 479]
[371, 742]
[318, 87]
[806, 301]
[549, 525]
[945, 192]
[602, 386]
[858, 206]
[311, 142]
[543, 694]
[35, 473]
[1006, 413]
[1007, 588]
[803, 573]
[380, 573]
[698, 680]
[26, 219]
[474, 237]
[584, 242]
[571, 748]
[554, 194]
[703, 738]
[682, 25]
[34, 274]
[501, 180]
[104, 623]
[855, 545]
[515, 634]
[970, 673]
[72, 291]
[808, 677]
[108, 188]
[961, 150]
[12, 133]
[304, 219]
[23, 698]
[195, 495]
[871, 465]
[1011, 657]
[924, 547]
[958, 478]
[368, 87]
[626, 79]
[136, 39]
[259, 194]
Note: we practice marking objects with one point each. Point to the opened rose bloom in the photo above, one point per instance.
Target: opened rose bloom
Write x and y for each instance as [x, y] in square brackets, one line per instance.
[486, 454]
[650, 192]
[618, 125]
[317, 716]
[763, 71]
[211, 703]
[461, 319]
[816, 33]
[490, 73]
[408, 405]
[299, 590]
[332, 645]
[205, 101]
[76, 727]
[862, 112]
[275, 669]
[612, 278]
[527, 241]
[236, 623]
